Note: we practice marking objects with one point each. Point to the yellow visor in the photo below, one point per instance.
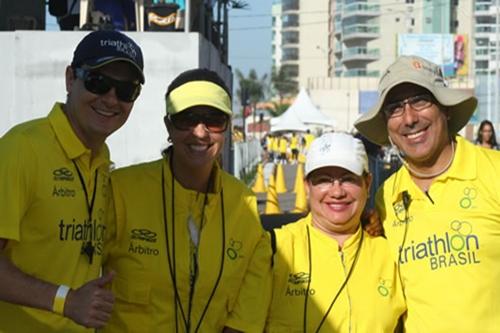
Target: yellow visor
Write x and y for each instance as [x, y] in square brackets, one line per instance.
[197, 93]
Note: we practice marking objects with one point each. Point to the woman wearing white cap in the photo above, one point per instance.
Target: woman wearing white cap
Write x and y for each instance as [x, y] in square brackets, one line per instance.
[329, 274]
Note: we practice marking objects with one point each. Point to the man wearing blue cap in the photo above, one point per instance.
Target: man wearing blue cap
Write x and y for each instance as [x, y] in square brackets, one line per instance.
[54, 176]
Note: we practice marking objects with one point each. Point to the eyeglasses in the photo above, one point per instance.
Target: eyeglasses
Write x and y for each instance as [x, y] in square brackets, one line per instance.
[99, 84]
[214, 121]
[417, 103]
[325, 182]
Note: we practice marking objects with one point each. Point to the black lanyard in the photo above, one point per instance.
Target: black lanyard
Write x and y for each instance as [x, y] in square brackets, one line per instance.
[88, 247]
[172, 258]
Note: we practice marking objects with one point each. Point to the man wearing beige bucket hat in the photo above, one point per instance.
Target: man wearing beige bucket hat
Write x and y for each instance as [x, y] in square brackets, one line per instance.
[440, 210]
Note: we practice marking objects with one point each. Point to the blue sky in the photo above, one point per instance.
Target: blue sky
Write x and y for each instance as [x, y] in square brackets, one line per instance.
[250, 37]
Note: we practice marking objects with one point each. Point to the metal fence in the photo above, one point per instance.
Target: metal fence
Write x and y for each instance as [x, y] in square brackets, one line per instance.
[246, 155]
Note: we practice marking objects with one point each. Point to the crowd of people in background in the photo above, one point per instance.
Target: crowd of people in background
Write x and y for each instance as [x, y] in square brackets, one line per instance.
[285, 148]
[291, 147]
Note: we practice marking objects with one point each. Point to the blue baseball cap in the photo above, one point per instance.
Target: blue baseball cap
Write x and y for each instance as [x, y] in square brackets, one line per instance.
[102, 47]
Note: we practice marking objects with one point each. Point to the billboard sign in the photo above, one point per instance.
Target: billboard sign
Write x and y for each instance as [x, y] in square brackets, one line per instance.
[438, 48]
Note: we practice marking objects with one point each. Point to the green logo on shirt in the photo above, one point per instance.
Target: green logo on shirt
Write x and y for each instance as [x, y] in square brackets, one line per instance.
[384, 287]
[234, 249]
[470, 193]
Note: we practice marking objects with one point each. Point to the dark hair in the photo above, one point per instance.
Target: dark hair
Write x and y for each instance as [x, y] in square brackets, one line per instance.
[479, 138]
[197, 74]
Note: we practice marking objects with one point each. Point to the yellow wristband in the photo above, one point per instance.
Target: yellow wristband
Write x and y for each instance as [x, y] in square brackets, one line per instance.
[60, 299]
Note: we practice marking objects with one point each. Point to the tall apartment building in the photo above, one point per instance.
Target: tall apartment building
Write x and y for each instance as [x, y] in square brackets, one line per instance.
[300, 44]
[340, 47]
[277, 46]
[364, 34]
[286, 36]
[356, 38]
[486, 43]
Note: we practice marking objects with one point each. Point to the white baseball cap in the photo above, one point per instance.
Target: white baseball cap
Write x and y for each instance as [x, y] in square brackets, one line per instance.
[339, 150]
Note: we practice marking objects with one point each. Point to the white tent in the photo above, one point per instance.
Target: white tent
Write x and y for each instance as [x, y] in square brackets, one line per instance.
[301, 116]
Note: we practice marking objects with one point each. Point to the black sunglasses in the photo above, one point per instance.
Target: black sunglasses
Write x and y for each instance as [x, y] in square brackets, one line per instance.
[99, 84]
[214, 121]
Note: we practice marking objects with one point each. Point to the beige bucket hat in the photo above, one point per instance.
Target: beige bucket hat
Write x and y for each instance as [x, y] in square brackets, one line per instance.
[416, 70]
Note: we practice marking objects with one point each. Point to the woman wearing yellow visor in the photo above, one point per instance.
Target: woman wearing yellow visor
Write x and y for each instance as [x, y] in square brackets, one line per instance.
[329, 274]
[191, 255]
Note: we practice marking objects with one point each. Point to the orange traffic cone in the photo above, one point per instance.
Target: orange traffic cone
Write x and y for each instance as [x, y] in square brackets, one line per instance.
[272, 203]
[299, 178]
[301, 204]
[280, 179]
[259, 186]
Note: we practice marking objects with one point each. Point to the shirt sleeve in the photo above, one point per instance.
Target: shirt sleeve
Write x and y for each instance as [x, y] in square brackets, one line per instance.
[379, 204]
[17, 167]
[250, 310]
[116, 219]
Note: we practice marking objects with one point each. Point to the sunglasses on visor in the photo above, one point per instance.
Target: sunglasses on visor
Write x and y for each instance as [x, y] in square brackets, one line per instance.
[101, 84]
[214, 121]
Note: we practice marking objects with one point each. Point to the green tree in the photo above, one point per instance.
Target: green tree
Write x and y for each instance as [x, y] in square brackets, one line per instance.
[238, 4]
[282, 84]
[278, 109]
[251, 88]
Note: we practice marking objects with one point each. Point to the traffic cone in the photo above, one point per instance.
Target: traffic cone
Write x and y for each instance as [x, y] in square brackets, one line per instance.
[300, 199]
[280, 179]
[299, 178]
[259, 186]
[272, 203]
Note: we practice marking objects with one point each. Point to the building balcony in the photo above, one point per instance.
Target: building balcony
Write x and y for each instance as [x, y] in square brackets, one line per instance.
[289, 62]
[489, 28]
[485, 30]
[338, 48]
[361, 54]
[482, 53]
[361, 31]
[361, 9]
[354, 72]
[288, 44]
[484, 9]
[290, 5]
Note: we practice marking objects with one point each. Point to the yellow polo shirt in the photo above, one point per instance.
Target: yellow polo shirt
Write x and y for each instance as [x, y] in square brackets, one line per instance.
[283, 145]
[144, 287]
[276, 145]
[308, 138]
[269, 143]
[44, 215]
[371, 301]
[294, 142]
[450, 258]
